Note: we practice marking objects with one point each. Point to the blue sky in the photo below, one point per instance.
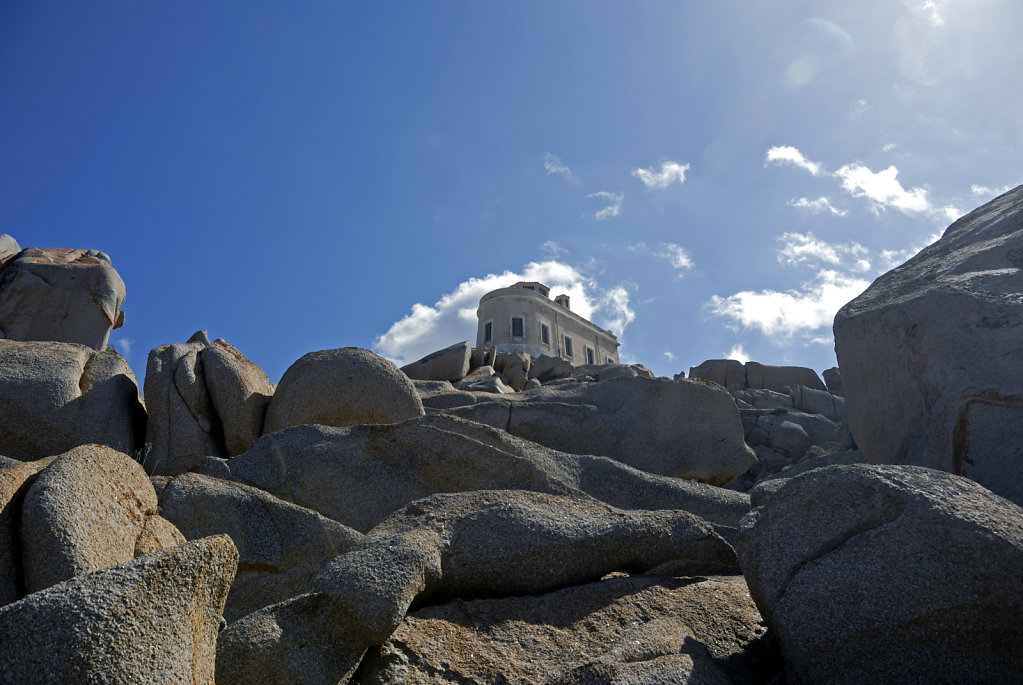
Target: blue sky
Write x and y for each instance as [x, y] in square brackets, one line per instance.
[708, 179]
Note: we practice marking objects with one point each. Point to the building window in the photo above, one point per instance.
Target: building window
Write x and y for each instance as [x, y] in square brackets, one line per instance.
[591, 358]
[488, 331]
[517, 326]
[545, 334]
[568, 346]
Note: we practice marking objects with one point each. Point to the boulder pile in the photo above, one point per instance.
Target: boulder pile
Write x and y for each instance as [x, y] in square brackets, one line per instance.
[481, 516]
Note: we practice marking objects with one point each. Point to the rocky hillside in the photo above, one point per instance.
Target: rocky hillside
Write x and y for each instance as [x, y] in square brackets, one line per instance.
[478, 517]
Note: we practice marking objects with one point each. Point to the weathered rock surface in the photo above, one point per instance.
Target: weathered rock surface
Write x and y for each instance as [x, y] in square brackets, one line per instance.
[889, 574]
[8, 246]
[85, 512]
[449, 364]
[734, 375]
[684, 428]
[514, 368]
[306, 640]
[183, 426]
[151, 620]
[15, 480]
[359, 475]
[55, 396]
[821, 402]
[651, 629]
[833, 379]
[239, 392]
[546, 368]
[502, 542]
[60, 295]
[281, 546]
[924, 353]
[342, 387]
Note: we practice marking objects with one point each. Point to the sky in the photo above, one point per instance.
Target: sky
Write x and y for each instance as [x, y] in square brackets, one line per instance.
[706, 179]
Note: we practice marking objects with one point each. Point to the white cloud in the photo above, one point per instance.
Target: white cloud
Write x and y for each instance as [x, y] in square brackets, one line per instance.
[452, 318]
[552, 164]
[882, 188]
[989, 192]
[669, 173]
[786, 154]
[124, 345]
[801, 248]
[819, 205]
[670, 357]
[795, 312]
[737, 353]
[553, 249]
[614, 207]
[677, 255]
[888, 147]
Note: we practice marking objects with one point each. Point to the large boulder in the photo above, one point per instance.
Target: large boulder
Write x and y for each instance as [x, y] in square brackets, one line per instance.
[781, 378]
[449, 364]
[239, 392]
[15, 480]
[359, 475]
[503, 542]
[183, 425]
[55, 396]
[684, 429]
[342, 387]
[71, 296]
[203, 399]
[86, 511]
[927, 353]
[728, 373]
[446, 546]
[888, 574]
[150, 620]
[281, 546]
[638, 629]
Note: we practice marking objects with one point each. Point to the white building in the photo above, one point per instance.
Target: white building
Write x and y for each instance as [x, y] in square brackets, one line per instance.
[523, 317]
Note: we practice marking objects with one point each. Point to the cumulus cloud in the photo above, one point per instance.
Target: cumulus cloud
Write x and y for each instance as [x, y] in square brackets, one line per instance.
[782, 315]
[428, 328]
[801, 248]
[668, 174]
[821, 204]
[670, 357]
[614, 204]
[552, 165]
[738, 353]
[786, 154]
[124, 345]
[882, 188]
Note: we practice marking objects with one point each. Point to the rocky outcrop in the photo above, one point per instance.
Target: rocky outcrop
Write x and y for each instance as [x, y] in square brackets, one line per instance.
[153, 619]
[55, 396]
[60, 295]
[381, 468]
[684, 429]
[888, 574]
[449, 364]
[734, 375]
[86, 511]
[203, 399]
[546, 368]
[342, 387]
[281, 546]
[239, 392]
[472, 544]
[923, 353]
[647, 629]
[15, 480]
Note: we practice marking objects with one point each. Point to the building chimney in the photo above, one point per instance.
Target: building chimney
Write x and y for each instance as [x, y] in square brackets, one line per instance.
[562, 300]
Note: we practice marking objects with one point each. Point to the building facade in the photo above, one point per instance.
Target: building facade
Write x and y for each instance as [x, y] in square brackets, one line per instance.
[523, 317]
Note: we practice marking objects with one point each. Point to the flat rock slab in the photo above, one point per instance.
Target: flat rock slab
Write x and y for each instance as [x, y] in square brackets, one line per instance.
[622, 629]
[872, 574]
[683, 429]
[151, 620]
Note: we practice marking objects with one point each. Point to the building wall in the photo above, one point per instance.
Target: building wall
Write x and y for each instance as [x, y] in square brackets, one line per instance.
[533, 306]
